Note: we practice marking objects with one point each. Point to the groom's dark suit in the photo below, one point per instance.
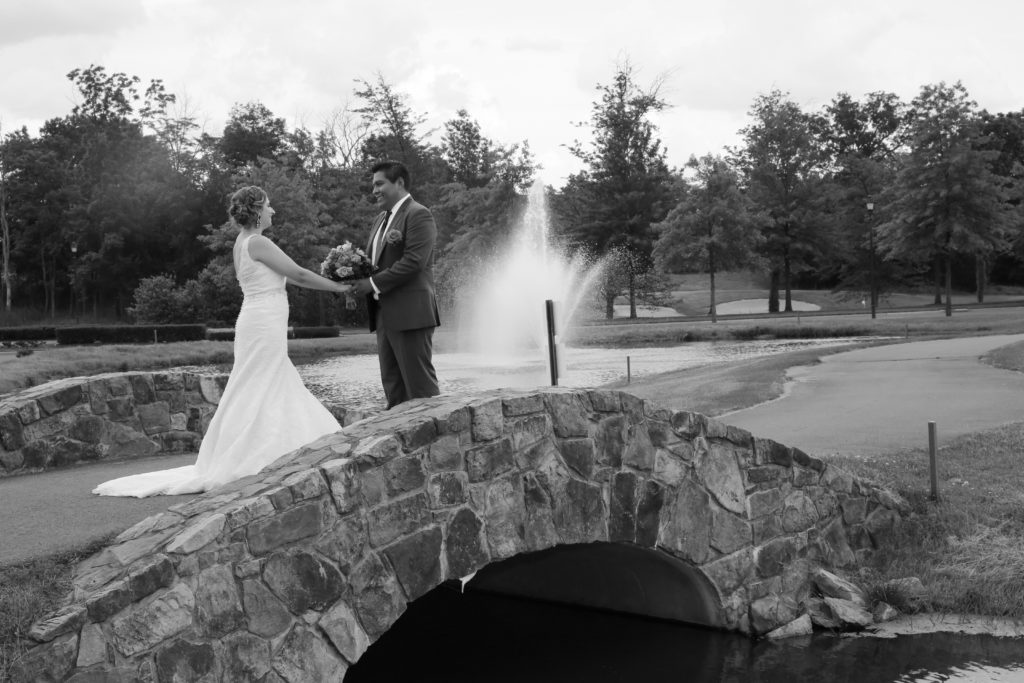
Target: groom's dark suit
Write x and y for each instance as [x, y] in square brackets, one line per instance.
[405, 315]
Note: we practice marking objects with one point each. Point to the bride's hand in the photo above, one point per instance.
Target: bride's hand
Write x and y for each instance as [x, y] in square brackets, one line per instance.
[343, 288]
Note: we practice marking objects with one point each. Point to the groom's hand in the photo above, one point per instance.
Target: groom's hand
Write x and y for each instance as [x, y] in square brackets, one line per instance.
[362, 287]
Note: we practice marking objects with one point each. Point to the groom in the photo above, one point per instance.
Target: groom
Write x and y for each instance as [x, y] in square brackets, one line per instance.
[400, 293]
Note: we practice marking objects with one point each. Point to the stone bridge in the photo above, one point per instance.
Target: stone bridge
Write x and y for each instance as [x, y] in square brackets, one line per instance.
[615, 502]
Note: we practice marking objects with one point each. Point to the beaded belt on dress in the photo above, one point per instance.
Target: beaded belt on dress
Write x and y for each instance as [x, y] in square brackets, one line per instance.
[260, 296]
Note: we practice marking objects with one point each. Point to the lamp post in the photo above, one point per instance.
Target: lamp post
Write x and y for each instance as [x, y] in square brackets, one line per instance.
[871, 248]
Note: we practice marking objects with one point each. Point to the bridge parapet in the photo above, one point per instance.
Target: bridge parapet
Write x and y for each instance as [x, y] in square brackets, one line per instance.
[300, 568]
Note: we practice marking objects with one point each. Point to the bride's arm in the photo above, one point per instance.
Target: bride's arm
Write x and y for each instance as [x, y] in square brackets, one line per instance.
[266, 252]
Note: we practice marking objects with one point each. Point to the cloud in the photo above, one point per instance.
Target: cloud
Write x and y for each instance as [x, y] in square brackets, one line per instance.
[22, 22]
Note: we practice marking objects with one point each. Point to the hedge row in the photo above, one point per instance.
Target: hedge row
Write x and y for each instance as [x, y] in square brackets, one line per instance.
[142, 334]
[293, 333]
[27, 333]
[129, 334]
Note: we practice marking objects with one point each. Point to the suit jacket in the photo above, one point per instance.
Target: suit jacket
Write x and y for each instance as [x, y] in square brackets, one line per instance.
[404, 273]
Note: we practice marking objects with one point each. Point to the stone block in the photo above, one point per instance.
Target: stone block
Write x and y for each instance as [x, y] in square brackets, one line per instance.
[516, 406]
[120, 408]
[342, 627]
[11, 431]
[686, 531]
[732, 571]
[60, 400]
[390, 521]
[761, 503]
[11, 461]
[729, 532]
[304, 656]
[302, 580]
[302, 521]
[610, 440]
[648, 513]
[579, 455]
[464, 546]
[504, 517]
[720, 472]
[378, 598]
[568, 416]
[218, 606]
[490, 460]
[580, 513]
[447, 489]
[153, 621]
[212, 387]
[186, 660]
[92, 647]
[143, 388]
[527, 431]
[52, 661]
[417, 562]
[265, 615]
[445, 454]
[417, 433]
[487, 419]
[622, 507]
[244, 657]
[404, 474]
[155, 417]
[64, 620]
[639, 452]
[89, 428]
[198, 534]
[606, 401]
[28, 411]
[772, 557]
[798, 512]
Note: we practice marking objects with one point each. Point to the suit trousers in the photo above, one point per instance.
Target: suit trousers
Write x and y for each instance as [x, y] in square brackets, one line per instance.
[406, 363]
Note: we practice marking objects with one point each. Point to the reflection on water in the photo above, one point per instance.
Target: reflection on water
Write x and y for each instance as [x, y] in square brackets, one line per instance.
[457, 638]
[355, 380]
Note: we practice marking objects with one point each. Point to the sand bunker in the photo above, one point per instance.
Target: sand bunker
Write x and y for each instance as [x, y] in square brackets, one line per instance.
[760, 306]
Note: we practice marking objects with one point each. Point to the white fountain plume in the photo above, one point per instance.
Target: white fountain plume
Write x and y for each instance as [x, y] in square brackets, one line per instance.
[506, 311]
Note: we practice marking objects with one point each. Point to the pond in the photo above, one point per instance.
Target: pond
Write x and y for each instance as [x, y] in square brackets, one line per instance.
[474, 636]
[355, 380]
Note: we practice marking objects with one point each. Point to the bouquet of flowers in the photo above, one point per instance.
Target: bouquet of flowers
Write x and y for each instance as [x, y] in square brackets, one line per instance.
[345, 263]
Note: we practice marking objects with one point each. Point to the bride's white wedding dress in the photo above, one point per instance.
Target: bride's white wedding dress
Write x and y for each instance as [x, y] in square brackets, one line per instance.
[265, 410]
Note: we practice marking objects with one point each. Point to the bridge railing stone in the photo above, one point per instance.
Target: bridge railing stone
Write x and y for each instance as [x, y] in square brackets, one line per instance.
[293, 573]
[114, 416]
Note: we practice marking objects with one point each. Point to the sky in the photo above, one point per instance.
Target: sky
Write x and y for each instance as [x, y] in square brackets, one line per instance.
[524, 69]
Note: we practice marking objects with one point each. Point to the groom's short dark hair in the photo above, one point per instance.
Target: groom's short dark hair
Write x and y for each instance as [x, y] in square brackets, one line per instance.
[393, 170]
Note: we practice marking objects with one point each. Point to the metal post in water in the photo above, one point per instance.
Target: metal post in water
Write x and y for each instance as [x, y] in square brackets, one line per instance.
[549, 310]
[627, 370]
[931, 461]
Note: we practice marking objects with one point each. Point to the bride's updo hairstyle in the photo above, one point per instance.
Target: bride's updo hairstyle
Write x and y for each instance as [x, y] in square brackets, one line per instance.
[246, 205]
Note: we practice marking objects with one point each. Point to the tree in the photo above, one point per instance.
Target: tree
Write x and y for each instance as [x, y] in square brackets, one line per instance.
[625, 186]
[780, 162]
[712, 228]
[474, 160]
[5, 233]
[947, 200]
[863, 141]
[251, 133]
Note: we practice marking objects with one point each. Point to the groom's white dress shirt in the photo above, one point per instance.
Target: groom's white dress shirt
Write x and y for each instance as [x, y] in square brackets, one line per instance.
[378, 239]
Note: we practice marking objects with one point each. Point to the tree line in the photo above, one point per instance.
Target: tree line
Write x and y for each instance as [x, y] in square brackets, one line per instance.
[117, 209]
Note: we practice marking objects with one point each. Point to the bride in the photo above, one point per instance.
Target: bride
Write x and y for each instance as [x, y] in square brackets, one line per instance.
[265, 410]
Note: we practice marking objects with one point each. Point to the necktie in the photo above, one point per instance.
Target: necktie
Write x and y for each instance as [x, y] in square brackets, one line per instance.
[380, 236]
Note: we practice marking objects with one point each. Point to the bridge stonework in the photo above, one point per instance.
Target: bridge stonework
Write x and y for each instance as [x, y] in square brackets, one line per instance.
[293, 573]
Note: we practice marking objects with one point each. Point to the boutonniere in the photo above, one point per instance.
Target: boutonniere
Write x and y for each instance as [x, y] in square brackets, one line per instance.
[393, 236]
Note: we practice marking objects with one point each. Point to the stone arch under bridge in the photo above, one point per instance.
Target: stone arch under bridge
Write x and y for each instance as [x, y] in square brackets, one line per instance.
[294, 572]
